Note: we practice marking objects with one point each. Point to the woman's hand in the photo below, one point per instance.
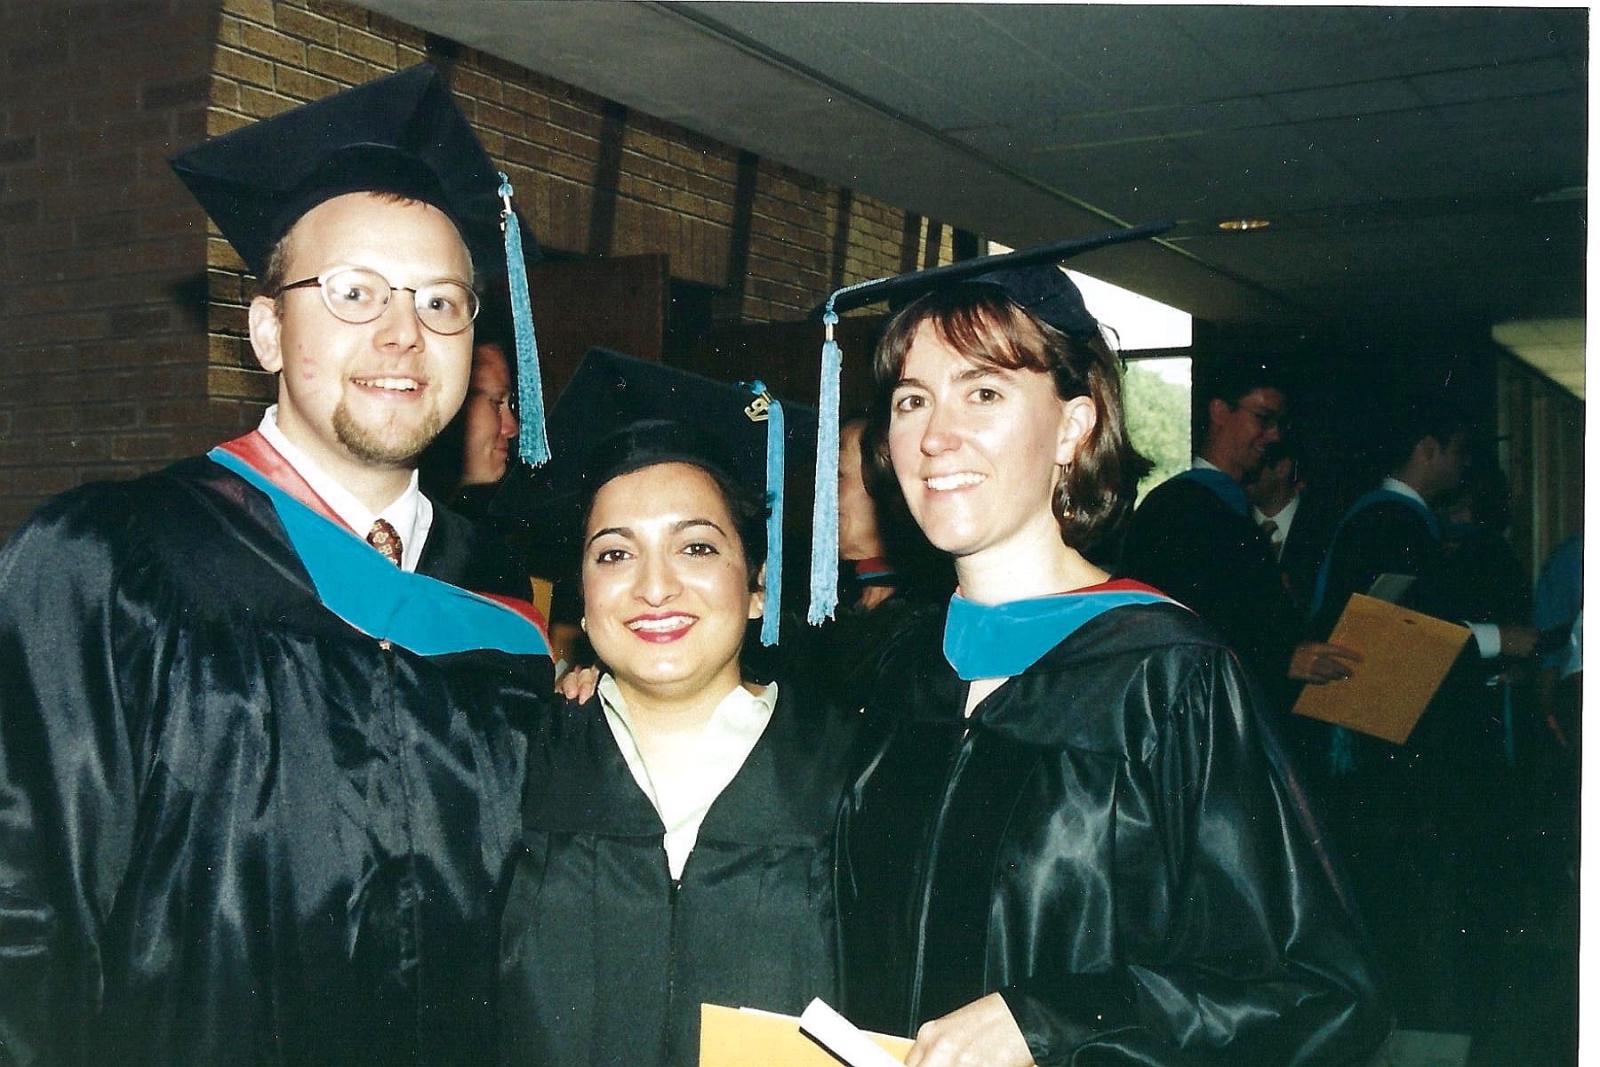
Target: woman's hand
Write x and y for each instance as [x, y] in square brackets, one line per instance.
[1319, 663]
[579, 683]
[982, 1034]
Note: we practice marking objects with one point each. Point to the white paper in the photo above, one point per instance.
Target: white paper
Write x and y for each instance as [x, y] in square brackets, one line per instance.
[1391, 587]
[841, 1037]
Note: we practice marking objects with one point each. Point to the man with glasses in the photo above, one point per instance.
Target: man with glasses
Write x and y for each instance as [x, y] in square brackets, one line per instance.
[259, 759]
[1193, 537]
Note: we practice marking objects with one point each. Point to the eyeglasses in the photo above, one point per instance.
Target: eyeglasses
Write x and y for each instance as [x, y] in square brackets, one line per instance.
[357, 295]
[1266, 417]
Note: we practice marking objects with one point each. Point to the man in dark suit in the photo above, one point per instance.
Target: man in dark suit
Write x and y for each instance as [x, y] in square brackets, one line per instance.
[1296, 518]
[1194, 539]
[1410, 819]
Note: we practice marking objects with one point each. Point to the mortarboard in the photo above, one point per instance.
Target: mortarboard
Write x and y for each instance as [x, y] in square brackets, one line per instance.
[738, 428]
[401, 134]
[1028, 277]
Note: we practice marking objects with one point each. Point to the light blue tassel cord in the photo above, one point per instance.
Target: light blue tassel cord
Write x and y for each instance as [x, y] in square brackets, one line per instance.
[1341, 752]
[532, 444]
[775, 455]
[825, 515]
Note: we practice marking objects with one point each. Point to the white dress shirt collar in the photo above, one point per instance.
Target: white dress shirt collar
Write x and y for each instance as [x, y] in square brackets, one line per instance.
[1283, 519]
[682, 799]
[411, 513]
[1395, 485]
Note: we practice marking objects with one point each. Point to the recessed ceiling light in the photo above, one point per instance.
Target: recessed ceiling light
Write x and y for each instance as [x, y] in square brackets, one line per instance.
[1240, 225]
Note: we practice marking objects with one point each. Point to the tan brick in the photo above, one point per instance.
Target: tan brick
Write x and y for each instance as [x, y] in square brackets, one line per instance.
[527, 101]
[158, 414]
[139, 446]
[219, 253]
[224, 93]
[269, 42]
[505, 120]
[254, 10]
[228, 31]
[493, 141]
[339, 11]
[367, 46]
[249, 69]
[240, 383]
[258, 104]
[230, 319]
[568, 115]
[398, 32]
[308, 27]
[291, 81]
[341, 68]
[469, 82]
[578, 170]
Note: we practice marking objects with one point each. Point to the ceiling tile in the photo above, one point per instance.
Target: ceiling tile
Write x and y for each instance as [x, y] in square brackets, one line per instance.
[1339, 101]
[1528, 78]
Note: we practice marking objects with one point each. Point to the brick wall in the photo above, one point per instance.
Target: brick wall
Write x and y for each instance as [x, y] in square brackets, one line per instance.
[102, 334]
[592, 177]
[123, 310]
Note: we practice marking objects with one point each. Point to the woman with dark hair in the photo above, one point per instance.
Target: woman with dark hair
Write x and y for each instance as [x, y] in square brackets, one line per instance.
[677, 824]
[1071, 840]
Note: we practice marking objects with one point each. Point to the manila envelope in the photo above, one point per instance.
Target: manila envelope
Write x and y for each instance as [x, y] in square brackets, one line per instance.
[1405, 655]
[730, 1037]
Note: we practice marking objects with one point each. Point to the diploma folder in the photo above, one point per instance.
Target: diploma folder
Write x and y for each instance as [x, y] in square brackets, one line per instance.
[1405, 655]
[744, 1037]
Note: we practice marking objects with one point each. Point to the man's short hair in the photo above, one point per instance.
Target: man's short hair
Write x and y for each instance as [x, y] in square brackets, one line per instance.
[1417, 415]
[1230, 379]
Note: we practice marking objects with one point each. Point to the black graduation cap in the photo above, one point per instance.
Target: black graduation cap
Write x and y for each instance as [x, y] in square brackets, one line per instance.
[1028, 277]
[738, 427]
[401, 134]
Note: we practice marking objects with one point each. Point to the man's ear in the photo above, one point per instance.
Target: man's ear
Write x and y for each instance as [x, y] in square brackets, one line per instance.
[758, 597]
[1216, 410]
[265, 329]
[1077, 424]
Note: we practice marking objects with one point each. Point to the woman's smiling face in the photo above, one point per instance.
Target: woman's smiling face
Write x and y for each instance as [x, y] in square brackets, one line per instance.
[977, 449]
[666, 587]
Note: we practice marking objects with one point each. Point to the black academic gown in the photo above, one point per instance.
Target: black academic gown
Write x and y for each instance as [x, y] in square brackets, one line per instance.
[234, 829]
[607, 959]
[1190, 545]
[1109, 846]
[1390, 537]
[1302, 552]
[1404, 818]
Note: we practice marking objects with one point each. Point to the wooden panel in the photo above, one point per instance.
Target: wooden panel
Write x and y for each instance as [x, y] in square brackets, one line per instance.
[619, 303]
[787, 356]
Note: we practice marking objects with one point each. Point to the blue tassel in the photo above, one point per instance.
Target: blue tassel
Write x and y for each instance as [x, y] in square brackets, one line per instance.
[825, 516]
[532, 444]
[775, 457]
[1341, 753]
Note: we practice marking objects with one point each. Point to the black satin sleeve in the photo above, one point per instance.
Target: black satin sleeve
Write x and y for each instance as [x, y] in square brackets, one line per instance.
[1247, 955]
[67, 773]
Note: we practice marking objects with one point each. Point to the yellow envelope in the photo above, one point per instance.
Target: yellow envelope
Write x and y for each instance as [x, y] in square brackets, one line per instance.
[1405, 655]
[734, 1037]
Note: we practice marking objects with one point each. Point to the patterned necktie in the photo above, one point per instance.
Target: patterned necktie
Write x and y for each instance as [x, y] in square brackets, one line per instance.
[385, 539]
[1268, 528]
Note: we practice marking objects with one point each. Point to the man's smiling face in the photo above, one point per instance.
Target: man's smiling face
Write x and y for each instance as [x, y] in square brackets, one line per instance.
[368, 395]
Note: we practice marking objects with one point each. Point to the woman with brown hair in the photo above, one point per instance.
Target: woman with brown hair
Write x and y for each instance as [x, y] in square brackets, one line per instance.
[1073, 840]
